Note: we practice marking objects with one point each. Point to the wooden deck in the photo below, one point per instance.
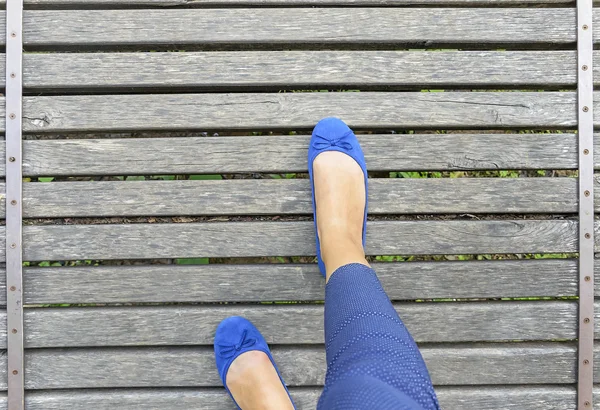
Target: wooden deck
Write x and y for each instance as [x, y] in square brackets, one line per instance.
[117, 88]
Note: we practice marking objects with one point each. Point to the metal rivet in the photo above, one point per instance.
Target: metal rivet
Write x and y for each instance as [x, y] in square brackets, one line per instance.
[13, 202]
[585, 27]
[13, 245]
[586, 151]
[14, 330]
[588, 236]
[13, 288]
[586, 361]
[586, 193]
[15, 372]
[584, 68]
[585, 109]
[12, 116]
[11, 159]
[586, 320]
[587, 278]
[586, 404]
[12, 75]
[13, 34]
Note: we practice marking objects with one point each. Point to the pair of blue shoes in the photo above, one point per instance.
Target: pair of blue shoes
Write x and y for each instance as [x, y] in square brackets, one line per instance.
[236, 335]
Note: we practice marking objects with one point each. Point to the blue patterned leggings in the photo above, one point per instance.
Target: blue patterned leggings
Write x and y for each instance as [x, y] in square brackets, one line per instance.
[373, 362]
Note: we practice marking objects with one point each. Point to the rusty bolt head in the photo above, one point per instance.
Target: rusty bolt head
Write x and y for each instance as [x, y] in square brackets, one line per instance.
[13, 202]
[11, 159]
[585, 27]
[586, 361]
[13, 288]
[587, 404]
[13, 34]
[587, 278]
[584, 68]
[588, 236]
[14, 331]
[586, 320]
[15, 372]
[12, 116]
[586, 151]
[586, 193]
[585, 109]
[12, 75]
[13, 245]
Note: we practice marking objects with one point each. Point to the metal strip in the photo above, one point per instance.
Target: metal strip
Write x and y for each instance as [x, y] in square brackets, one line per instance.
[14, 210]
[585, 109]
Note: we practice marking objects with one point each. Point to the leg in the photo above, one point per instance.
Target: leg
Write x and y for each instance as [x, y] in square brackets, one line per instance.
[372, 361]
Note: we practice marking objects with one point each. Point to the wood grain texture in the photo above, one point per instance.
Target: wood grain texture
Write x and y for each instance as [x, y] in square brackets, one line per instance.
[293, 197]
[305, 398]
[170, 325]
[473, 364]
[212, 3]
[288, 69]
[299, 111]
[2, 244]
[390, 152]
[241, 239]
[3, 335]
[253, 283]
[420, 27]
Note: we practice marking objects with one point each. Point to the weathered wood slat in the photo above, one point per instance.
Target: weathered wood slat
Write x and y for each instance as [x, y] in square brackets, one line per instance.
[212, 3]
[289, 197]
[451, 398]
[169, 325]
[288, 69]
[390, 152]
[272, 26]
[402, 281]
[3, 335]
[194, 367]
[253, 283]
[299, 110]
[285, 69]
[397, 152]
[242, 239]
[2, 243]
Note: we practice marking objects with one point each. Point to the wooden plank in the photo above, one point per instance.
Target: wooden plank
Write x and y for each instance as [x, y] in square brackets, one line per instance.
[242, 239]
[194, 367]
[300, 69]
[285, 69]
[278, 26]
[293, 197]
[253, 283]
[2, 114]
[452, 398]
[3, 337]
[3, 371]
[213, 3]
[169, 325]
[398, 152]
[2, 244]
[299, 111]
[269, 154]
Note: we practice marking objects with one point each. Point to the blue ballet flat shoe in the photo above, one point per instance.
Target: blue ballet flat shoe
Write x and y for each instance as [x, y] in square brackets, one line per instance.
[236, 335]
[332, 134]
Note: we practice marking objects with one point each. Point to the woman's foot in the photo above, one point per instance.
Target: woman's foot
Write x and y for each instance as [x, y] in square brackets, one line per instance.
[246, 367]
[255, 384]
[340, 198]
[338, 171]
